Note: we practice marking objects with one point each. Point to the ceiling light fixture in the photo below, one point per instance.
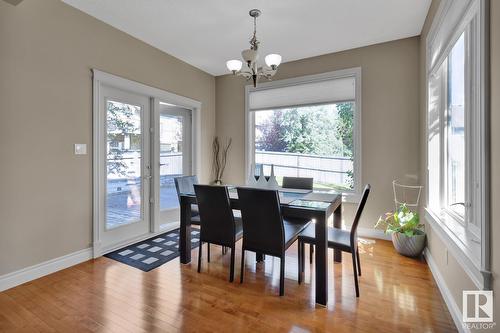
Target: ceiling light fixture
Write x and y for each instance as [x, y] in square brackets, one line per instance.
[250, 57]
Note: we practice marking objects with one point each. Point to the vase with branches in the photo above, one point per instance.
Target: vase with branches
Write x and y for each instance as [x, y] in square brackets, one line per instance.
[220, 150]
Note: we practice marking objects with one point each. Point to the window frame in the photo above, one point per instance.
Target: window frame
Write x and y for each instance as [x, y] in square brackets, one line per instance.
[468, 240]
[349, 196]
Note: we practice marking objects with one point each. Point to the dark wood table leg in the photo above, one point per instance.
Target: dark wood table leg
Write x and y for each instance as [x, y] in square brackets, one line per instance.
[337, 223]
[321, 259]
[185, 232]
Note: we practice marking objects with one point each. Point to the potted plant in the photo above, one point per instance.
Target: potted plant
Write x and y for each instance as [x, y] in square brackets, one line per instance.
[405, 229]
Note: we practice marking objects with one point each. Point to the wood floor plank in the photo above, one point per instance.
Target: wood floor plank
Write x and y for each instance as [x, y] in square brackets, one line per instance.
[398, 294]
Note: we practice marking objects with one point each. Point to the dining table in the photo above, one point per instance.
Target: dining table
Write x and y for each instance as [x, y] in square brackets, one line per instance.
[295, 203]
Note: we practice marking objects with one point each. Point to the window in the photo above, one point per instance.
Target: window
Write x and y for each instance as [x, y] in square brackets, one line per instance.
[456, 133]
[310, 141]
[123, 164]
[451, 136]
[307, 127]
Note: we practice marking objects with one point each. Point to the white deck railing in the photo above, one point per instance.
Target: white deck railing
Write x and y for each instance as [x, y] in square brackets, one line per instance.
[324, 169]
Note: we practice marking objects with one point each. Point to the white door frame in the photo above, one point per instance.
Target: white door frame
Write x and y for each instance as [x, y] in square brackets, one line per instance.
[102, 78]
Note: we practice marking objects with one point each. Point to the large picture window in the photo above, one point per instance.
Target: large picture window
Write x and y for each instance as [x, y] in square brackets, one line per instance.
[308, 127]
[309, 141]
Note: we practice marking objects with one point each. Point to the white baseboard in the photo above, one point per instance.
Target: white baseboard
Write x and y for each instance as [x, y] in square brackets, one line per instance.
[454, 309]
[27, 274]
[373, 233]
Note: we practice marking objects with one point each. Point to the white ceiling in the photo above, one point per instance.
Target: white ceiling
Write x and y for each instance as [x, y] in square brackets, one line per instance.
[206, 33]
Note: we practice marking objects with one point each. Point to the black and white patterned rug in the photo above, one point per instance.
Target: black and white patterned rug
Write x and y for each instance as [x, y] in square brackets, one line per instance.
[153, 252]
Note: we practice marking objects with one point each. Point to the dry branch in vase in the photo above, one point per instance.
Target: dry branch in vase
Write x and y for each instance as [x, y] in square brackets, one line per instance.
[220, 150]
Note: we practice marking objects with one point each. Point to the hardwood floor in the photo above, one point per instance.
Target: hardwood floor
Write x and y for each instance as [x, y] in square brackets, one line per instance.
[398, 294]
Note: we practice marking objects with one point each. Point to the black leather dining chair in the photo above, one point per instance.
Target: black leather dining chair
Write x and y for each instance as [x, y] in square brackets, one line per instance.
[344, 240]
[185, 184]
[218, 225]
[302, 183]
[264, 230]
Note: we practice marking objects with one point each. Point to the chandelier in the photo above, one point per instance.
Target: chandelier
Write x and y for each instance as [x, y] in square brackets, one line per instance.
[251, 55]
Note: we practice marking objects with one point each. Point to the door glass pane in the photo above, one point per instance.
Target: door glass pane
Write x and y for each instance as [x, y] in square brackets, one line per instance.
[123, 162]
[170, 158]
[456, 128]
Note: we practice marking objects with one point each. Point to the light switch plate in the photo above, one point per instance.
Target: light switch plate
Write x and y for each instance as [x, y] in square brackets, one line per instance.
[80, 149]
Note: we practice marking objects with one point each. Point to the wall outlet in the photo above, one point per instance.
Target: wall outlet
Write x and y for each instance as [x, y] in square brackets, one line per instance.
[80, 149]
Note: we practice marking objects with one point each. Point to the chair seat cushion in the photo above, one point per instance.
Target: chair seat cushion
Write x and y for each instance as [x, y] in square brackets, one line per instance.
[337, 238]
[293, 227]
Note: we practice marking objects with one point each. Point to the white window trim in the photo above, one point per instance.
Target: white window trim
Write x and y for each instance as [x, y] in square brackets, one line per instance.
[353, 196]
[452, 17]
[155, 95]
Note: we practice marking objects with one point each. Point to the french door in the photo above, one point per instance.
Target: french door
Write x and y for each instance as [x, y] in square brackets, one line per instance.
[124, 185]
[174, 155]
[141, 145]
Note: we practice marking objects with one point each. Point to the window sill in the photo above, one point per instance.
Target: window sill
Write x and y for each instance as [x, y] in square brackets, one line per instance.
[465, 251]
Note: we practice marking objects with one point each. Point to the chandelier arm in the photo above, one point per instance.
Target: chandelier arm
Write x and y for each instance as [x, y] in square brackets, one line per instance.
[267, 72]
[245, 74]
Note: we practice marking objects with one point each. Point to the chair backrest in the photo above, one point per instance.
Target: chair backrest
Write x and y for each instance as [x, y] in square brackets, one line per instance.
[262, 221]
[301, 183]
[185, 184]
[359, 211]
[216, 215]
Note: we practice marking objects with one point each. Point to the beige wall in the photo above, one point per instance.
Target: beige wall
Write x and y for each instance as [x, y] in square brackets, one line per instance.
[46, 52]
[389, 97]
[455, 277]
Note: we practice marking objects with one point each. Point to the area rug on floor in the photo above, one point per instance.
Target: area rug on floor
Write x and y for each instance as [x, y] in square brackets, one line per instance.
[153, 252]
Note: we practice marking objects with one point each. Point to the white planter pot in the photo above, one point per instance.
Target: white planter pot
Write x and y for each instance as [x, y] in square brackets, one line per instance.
[408, 246]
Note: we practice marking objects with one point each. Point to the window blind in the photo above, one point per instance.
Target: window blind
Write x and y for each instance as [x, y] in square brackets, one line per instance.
[321, 92]
[445, 26]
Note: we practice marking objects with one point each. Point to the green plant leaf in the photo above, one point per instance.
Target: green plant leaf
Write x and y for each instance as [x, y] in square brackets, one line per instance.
[403, 220]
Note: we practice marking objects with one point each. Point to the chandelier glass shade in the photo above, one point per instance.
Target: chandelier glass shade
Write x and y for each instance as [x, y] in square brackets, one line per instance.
[249, 68]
